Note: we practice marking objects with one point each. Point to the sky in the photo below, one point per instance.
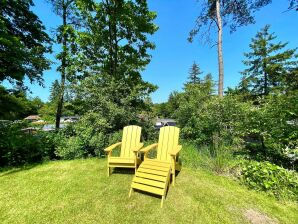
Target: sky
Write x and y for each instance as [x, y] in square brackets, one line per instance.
[174, 55]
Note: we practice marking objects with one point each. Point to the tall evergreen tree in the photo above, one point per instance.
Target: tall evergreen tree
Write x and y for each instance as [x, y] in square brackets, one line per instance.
[54, 92]
[23, 43]
[194, 73]
[269, 65]
[214, 15]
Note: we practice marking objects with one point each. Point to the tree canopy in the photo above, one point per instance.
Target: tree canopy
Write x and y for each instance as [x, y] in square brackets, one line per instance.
[269, 64]
[23, 43]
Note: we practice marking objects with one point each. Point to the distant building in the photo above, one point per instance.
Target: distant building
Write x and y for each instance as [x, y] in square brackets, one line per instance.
[39, 122]
[51, 127]
[32, 118]
[30, 130]
[69, 119]
[162, 122]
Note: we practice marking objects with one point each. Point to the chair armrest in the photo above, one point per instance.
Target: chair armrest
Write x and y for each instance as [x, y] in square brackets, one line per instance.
[111, 147]
[175, 151]
[149, 147]
[137, 148]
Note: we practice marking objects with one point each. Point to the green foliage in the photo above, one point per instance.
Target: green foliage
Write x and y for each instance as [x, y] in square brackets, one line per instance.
[218, 160]
[190, 156]
[232, 16]
[293, 5]
[265, 176]
[48, 110]
[23, 42]
[67, 188]
[194, 73]
[272, 127]
[269, 66]
[166, 110]
[88, 137]
[208, 120]
[71, 148]
[18, 147]
[118, 30]
[14, 104]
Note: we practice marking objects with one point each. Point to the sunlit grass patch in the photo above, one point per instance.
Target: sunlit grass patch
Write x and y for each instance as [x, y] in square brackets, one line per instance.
[79, 191]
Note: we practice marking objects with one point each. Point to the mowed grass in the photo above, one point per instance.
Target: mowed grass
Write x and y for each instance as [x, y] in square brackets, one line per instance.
[79, 191]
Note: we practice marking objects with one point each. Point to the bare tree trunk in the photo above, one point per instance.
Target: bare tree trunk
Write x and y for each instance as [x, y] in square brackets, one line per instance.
[63, 72]
[219, 50]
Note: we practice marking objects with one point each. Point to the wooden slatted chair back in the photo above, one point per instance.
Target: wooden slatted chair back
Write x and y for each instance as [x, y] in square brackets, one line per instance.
[130, 139]
[168, 140]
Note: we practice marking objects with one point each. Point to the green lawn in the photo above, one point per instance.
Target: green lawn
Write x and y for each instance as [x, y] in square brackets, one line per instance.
[80, 192]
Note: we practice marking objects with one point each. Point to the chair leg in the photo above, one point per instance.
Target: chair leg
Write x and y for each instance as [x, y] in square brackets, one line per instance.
[108, 171]
[173, 177]
[129, 195]
[162, 199]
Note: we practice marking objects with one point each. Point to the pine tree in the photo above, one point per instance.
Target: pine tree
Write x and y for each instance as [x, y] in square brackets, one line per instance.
[269, 65]
[54, 92]
[214, 15]
[194, 73]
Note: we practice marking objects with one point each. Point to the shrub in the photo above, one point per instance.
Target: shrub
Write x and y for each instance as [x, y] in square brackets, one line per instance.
[268, 177]
[271, 129]
[18, 147]
[70, 148]
[210, 120]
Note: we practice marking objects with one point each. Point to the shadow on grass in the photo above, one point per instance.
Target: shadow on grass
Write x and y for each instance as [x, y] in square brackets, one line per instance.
[119, 170]
[146, 193]
[154, 195]
[11, 170]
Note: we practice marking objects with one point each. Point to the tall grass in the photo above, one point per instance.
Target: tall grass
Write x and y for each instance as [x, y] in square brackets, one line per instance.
[217, 159]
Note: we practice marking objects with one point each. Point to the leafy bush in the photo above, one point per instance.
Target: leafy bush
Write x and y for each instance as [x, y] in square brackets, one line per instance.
[271, 129]
[18, 147]
[70, 148]
[209, 120]
[265, 176]
[90, 135]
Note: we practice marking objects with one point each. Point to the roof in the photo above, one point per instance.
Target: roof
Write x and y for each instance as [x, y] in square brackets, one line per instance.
[32, 117]
[52, 127]
[165, 120]
[70, 117]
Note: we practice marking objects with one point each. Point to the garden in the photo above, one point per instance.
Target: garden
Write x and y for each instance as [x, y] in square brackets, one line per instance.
[239, 152]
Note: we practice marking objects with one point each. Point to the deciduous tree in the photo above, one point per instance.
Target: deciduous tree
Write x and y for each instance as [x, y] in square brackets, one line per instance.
[23, 43]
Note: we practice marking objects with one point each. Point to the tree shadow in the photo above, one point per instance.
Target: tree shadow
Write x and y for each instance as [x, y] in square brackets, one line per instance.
[12, 170]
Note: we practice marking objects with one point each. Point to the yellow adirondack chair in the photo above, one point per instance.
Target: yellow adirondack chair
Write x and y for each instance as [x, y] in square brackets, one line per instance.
[153, 175]
[130, 145]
